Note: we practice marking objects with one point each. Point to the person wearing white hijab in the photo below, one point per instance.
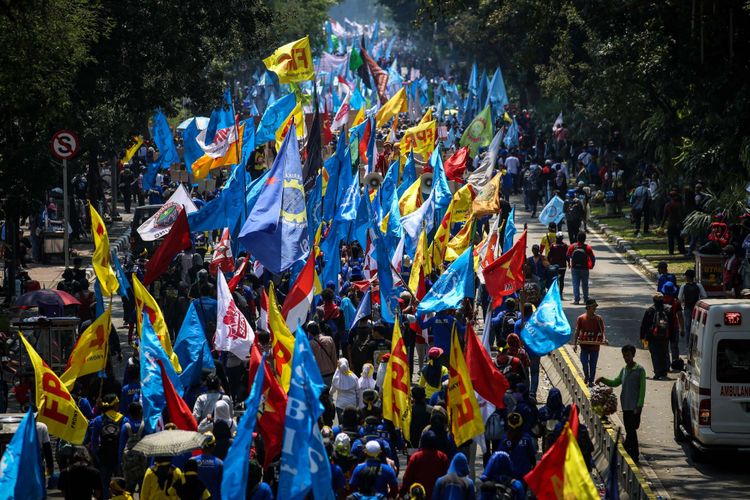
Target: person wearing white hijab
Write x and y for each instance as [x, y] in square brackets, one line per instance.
[366, 381]
[222, 412]
[345, 385]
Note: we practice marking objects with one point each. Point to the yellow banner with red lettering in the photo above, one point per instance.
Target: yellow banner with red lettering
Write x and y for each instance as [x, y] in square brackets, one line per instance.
[56, 407]
[282, 341]
[463, 408]
[292, 62]
[420, 138]
[144, 301]
[90, 352]
[396, 386]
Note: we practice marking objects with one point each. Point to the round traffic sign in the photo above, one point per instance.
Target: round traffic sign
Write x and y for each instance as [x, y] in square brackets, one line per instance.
[64, 144]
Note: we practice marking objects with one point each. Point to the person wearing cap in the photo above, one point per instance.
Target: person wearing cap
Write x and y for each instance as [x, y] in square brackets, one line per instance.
[374, 475]
[433, 373]
[105, 439]
[674, 214]
[210, 467]
[657, 328]
[589, 328]
[426, 465]
[640, 201]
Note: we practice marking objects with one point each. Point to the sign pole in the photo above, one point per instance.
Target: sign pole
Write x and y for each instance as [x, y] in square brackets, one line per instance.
[66, 215]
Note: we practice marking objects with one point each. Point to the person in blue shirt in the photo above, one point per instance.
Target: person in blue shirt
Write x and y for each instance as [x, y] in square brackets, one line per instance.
[441, 327]
[498, 476]
[456, 484]
[520, 445]
[374, 473]
[130, 392]
[210, 467]
[131, 427]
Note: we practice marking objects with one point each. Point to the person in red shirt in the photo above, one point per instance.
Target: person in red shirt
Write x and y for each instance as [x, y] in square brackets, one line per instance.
[426, 465]
[590, 335]
[581, 259]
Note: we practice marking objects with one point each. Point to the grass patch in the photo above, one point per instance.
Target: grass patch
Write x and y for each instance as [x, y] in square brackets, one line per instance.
[652, 246]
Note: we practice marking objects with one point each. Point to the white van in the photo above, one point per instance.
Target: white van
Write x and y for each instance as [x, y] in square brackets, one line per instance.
[711, 398]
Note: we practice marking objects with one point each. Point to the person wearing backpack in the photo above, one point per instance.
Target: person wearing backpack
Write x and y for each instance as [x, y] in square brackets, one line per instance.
[497, 479]
[581, 260]
[689, 295]
[657, 327]
[134, 463]
[456, 484]
[640, 201]
[105, 440]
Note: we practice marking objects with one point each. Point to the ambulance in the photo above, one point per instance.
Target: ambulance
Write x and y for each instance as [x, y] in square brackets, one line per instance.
[711, 398]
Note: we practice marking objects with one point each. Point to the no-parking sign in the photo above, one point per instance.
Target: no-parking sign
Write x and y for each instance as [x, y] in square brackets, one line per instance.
[64, 144]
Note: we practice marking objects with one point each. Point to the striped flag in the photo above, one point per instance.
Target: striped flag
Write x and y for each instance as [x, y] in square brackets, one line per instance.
[297, 303]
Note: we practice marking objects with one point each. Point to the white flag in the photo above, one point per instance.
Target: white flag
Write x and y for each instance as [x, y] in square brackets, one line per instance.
[558, 122]
[486, 169]
[233, 333]
[160, 223]
[342, 115]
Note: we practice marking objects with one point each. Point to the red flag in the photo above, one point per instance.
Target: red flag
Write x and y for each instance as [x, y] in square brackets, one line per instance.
[222, 257]
[273, 412]
[179, 413]
[239, 275]
[456, 165]
[378, 74]
[299, 299]
[263, 318]
[488, 381]
[364, 142]
[551, 466]
[573, 419]
[177, 239]
[327, 134]
[505, 275]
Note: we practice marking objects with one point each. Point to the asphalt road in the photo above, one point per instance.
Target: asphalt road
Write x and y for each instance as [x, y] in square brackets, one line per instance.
[623, 294]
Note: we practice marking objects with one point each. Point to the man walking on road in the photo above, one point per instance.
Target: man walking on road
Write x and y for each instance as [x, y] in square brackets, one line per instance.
[589, 330]
[633, 380]
[581, 258]
[657, 328]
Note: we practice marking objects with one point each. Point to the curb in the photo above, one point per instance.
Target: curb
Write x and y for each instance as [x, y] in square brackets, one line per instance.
[623, 246]
[122, 243]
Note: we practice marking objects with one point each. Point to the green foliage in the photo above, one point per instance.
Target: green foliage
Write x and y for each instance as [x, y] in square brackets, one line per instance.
[295, 19]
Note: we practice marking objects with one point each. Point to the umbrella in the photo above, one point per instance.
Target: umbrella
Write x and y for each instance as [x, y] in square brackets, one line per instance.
[47, 297]
[170, 443]
[200, 121]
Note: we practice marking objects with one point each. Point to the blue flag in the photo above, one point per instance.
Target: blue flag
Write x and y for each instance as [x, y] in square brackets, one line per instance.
[409, 175]
[362, 222]
[548, 328]
[125, 290]
[347, 196]
[371, 150]
[441, 192]
[192, 150]
[553, 211]
[192, 349]
[276, 230]
[314, 208]
[334, 167]
[162, 135]
[388, 187]
[393, 230]
[221, 118]
[273, 118]
[152, 390]
[331, 255]
[303, 450]
[364, 308]
[455, 284]
[510, 230]
[496, 94]
[511, 136]
[385, 276]
[234, 478]
[21, 474]
[99, 298]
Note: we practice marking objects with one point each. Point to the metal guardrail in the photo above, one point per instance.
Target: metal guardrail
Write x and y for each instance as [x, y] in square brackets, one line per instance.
[604, 434]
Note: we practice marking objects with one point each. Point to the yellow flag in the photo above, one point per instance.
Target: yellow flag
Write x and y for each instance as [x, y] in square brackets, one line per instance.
[411, 199]
[396, 386]
[395, 105]
[144, 301]
[203, 165]
[359, 117]
[487, 200]
[507, 117]
[427, 117]
[458, 210]
[101, 258]
[130, 152]
[90, 352]
[299, 123]
[465, 417]
[282, 341]
[292, 62]
[420, 138]
[421, 261]
[56, 407]
[577, 480]
[459, 243]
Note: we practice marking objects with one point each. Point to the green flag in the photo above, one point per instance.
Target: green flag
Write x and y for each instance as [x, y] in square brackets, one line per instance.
[355, 59]
[479, 132]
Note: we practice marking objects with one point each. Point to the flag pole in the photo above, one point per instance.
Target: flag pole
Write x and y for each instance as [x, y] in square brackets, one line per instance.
[237, 147]
[106, 349]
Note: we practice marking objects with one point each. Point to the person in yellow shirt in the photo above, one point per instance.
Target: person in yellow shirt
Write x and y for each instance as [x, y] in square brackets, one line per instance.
[117, 488]
[161, 479]
[433, 373]
[192, 488]
[548, 239]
